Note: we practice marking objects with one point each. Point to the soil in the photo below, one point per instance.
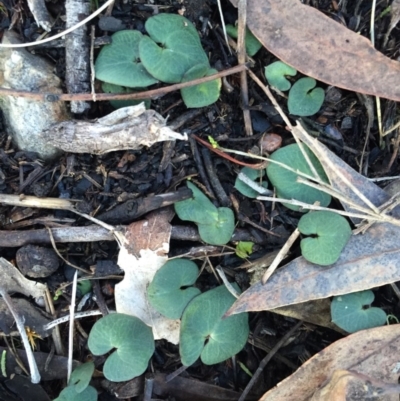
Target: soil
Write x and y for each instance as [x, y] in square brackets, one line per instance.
[103, 183]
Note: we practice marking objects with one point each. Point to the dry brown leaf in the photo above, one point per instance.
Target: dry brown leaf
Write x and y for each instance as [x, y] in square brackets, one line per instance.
[321, 48]
[143, 253]
[373, 353]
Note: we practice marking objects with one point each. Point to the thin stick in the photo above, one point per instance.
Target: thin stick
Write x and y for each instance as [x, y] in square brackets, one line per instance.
[221, 15]
[227, 284]
[267, 358]
[35, 375]
[63, 33]
[253, 185]
[280, 256]
[71, 326]
[67, 97]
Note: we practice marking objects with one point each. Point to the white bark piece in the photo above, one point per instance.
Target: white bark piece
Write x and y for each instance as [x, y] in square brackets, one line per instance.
[77, 53]
[40, 13]
[125, 128]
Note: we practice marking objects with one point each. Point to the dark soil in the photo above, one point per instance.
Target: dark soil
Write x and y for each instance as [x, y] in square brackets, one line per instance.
[105, 182]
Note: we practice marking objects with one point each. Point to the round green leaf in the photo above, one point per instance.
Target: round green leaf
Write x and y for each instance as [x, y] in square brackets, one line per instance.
[117, 104]
[81, 376]
[303, 99]
[165, 292]
[204, 94]
[198, 209]
[70, 394]
[352, 312]
[254, 175]
[132, 339]
[206, 334]
[220, 231]
[330, 233]
[285, 181]
[180, 47]
[253, 45]
[276, 74]
[118, 62]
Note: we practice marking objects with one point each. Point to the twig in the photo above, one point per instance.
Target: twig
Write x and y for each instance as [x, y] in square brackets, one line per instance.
[35, 375]
[227, 284]
[71, 326]
[281, 255]
[267, 358]
[67, 97]
[63, 33]
[253, 185]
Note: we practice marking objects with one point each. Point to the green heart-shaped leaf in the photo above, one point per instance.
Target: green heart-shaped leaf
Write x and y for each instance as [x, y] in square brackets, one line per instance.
[304, 100]
[204, 94]
[352, 312]
[330, 233]
[206, 334]
[132, 339]
[276, 74]
[285, 181]
[253, 45]
[118, 62]
[70, 394]
[81, 376]
[117, 104]
[180, 47]
[254, 175]
[165, 292]
[220, 231]
[198, 209]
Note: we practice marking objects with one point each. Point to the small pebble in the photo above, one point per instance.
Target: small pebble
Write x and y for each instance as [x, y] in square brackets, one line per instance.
[36, 261]
[111, 24]
[270, 142]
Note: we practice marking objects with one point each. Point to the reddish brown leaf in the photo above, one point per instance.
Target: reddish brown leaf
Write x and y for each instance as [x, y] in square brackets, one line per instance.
[372, 353]
[321, 48]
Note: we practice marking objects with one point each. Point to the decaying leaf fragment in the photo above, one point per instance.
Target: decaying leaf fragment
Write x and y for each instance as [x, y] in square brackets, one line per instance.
[145, 250]
[371, 356]
[125, 128]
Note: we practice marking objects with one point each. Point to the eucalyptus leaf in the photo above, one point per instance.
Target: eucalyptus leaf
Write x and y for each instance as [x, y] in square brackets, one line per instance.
[220, 231]
[329, 232]
[165, 292]
[133, 342]
[285, 181]
[204, 332]
[253, 45]
[81, 376]
[118, 63]
[254, 175]
[172, 49]
[203, 94]
[353, 312]
[304, 98]
[276, 74]
[70, 394]
[117, 104]
[198, 209]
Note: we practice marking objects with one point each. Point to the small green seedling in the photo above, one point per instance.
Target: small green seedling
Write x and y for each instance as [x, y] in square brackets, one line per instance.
[204, 94]
[276, 74]
[117, 104]
[244, 249]
[253, 45]
[285, 181]
[165, 293]
[172, 49]
[118, 63]
[254, 175]
[133, 342]
[216, 225]
[204, 332]
[84, 287]
[78, 388]
[353, 312]
[329, 233]
[304, 98]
